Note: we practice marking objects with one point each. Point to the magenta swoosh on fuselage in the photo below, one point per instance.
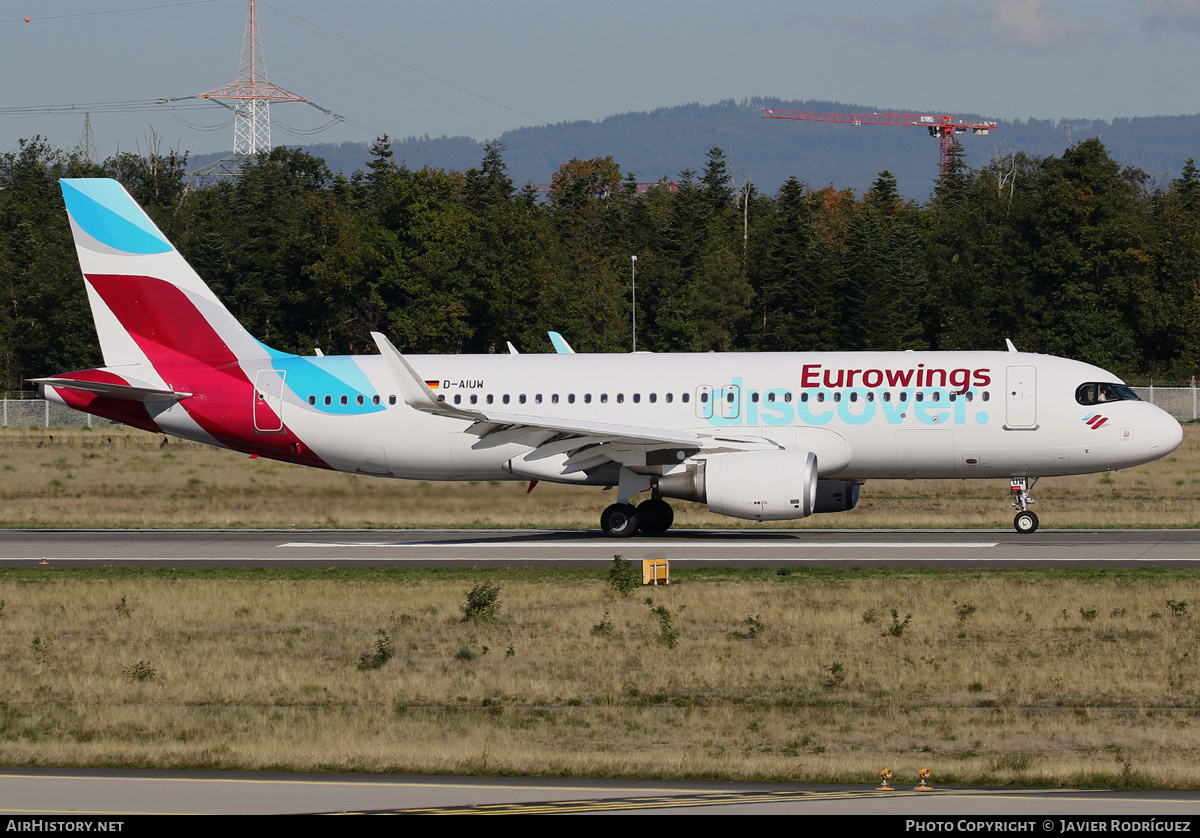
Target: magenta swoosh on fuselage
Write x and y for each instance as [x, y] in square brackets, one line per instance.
[192, 357]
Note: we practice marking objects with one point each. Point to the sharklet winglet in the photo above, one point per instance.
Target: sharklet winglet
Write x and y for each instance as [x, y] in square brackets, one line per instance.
[561, 346]
[413, 389]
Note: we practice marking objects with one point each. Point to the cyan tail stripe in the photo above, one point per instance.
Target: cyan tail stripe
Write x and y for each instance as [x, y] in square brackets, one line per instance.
[106, 213]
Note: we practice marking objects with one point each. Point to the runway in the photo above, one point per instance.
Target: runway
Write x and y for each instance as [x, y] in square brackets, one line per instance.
[114, 793]
[684, 548]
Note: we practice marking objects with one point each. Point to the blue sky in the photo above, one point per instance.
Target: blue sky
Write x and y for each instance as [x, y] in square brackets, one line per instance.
[478, 68]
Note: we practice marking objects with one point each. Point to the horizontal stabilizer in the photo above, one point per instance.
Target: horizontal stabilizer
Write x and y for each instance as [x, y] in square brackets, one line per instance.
[130, 392]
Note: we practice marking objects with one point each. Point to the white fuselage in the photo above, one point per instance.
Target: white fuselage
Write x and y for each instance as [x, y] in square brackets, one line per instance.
[865, 415]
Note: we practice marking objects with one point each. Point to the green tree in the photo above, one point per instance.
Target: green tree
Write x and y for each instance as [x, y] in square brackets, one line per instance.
[45, 322]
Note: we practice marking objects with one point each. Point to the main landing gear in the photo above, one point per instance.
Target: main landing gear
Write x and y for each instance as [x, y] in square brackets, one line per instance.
[622, 520]
[1025, 521]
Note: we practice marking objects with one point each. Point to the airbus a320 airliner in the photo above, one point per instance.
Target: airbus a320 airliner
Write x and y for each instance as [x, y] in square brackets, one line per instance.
[761, 436]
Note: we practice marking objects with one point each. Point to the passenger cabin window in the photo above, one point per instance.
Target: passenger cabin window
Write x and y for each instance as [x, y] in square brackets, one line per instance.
[1098, 393]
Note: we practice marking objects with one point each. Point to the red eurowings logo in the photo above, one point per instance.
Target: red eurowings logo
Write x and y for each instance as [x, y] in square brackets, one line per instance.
[1094, 420]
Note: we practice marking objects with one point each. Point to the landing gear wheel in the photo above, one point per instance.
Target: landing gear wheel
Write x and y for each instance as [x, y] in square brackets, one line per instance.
[619, 521]
[1025, 522]
[655, 515]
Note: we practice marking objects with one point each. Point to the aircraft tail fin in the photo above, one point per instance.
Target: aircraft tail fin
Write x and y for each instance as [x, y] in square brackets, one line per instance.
[148, 303]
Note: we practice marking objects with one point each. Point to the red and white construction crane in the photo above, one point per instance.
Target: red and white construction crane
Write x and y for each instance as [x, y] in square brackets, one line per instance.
[942, 127]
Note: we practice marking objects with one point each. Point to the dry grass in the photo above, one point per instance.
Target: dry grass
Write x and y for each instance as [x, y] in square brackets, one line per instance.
[1025, 677]
[123, 478]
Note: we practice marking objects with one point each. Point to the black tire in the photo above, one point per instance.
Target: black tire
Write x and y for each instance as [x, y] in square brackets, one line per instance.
[619, 521]
[1025, 522]
[655, 515]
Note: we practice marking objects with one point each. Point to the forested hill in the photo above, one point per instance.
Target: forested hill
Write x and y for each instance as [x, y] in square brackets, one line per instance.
[664, 142]
[1072, 254]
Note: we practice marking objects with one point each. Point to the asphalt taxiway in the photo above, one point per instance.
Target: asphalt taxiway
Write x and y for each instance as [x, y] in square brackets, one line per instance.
[684, 548]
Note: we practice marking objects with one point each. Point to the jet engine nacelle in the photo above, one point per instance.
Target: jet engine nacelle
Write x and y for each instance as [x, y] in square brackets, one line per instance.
[760, 485]
[836, 495]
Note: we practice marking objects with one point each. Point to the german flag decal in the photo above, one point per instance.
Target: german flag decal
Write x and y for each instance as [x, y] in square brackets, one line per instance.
[432, 385]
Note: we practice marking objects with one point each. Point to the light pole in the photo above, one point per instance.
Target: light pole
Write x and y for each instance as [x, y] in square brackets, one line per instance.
[633, 273]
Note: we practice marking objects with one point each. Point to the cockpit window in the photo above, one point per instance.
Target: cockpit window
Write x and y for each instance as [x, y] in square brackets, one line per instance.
[1099, 393]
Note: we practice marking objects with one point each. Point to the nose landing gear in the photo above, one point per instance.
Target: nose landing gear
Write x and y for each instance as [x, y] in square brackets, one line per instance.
[1025, 521]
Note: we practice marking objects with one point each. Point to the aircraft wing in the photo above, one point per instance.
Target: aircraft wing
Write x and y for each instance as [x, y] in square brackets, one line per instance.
[585, 443]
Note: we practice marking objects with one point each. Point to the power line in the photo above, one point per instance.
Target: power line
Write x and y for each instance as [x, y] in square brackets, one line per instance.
[127, 106]
[110, 11]
[310, 26]
[297, 17]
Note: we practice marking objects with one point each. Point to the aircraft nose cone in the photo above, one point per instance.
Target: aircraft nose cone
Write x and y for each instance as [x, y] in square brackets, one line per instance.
[1167, 435]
